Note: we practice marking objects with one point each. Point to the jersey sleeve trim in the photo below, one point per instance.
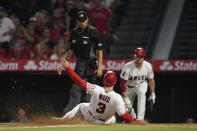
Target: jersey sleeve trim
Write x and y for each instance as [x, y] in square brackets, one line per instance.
[123, 85]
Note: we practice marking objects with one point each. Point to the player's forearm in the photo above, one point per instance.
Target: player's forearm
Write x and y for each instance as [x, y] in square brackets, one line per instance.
[76, 78]
[127, 117]
[152, 85]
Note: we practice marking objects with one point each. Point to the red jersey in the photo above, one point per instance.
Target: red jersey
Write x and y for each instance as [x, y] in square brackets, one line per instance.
[24, 53]
[99, 17]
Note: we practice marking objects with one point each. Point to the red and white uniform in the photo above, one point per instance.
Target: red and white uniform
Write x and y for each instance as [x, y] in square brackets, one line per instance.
[137, 84]
[102, 106]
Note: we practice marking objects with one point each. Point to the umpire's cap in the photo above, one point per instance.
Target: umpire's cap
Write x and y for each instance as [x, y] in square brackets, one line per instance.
[81, 16]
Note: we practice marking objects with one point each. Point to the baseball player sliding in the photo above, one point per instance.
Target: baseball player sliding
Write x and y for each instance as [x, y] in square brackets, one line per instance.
[104, 101]
[134, 80]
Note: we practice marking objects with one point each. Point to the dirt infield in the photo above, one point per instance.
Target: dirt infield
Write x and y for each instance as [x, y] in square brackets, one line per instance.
[39, 122]
[46, 122]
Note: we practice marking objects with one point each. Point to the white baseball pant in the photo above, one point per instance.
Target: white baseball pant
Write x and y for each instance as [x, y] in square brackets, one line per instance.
[140, 91]
[87, 115]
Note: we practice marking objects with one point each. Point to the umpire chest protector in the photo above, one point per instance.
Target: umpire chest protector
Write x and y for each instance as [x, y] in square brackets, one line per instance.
[85, 43]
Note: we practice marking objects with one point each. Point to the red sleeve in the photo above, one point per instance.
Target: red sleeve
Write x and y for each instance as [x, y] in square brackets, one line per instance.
[127, 117]
[76, 78]
[123, 85]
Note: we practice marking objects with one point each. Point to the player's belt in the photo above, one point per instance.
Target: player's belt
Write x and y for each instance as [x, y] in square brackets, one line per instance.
[83, 60]
[130, 86]
[94, 117]
[86, 59]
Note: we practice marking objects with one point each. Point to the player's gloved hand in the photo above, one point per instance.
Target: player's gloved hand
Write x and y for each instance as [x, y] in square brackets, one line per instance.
[151, 101]
[152, 97]
[127, 102]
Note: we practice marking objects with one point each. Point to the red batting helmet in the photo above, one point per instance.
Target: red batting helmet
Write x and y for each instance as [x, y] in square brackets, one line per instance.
[139, 52]
[109, 78]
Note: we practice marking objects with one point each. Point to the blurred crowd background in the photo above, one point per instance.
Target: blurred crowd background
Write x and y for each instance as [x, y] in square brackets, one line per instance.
[39, 29]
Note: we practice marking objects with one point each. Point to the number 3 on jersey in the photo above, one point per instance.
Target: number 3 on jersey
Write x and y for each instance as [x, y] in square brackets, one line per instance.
[101, 108]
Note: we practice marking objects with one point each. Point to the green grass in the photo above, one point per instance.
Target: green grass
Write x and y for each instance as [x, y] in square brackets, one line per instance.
[103, 128]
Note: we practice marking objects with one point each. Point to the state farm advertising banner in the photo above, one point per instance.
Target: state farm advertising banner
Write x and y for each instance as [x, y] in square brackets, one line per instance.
[115, 65]
[175, 65]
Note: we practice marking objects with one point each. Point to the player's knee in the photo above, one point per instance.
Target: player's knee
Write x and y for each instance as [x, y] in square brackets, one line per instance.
[141, 93]
[83, 106]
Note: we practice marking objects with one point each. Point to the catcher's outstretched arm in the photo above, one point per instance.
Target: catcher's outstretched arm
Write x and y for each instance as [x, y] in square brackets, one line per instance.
[76, 78]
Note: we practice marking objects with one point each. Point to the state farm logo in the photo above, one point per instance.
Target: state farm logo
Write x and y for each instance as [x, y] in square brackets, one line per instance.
[30, 65]
[179, 65]
[185, 66]
[8, 65]
[166, 66]
[113, 65]
[44, 65]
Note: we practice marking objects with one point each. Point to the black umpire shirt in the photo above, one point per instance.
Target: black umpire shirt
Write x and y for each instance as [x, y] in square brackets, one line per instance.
[85, 43]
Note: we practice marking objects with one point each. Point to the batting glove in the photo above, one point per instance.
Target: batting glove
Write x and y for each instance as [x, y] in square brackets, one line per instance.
[152, 97]
[127, 102]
